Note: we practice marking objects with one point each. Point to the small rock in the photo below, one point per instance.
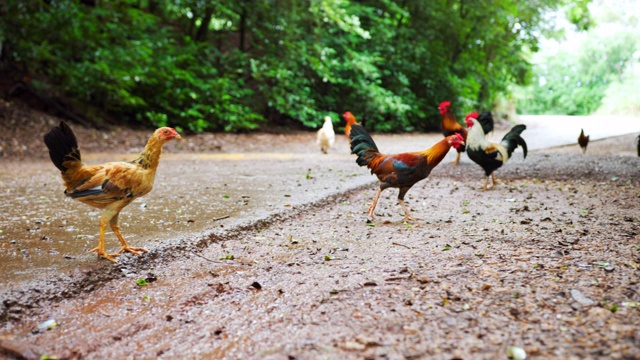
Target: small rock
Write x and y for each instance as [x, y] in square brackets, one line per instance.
[352, 346]
[579, 297]
[47, 325]
[367, 341]
[598, 313]
[410, 330]
[516, 353]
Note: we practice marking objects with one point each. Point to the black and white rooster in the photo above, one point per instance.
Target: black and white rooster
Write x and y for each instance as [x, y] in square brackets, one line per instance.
[488, 155]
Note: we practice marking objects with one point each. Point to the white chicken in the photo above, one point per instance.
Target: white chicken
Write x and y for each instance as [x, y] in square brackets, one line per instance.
[326, 135]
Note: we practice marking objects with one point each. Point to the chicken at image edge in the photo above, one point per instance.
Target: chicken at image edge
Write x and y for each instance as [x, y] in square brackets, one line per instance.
[583, 141]
[488, 155]
[110, 186]
[400, 171]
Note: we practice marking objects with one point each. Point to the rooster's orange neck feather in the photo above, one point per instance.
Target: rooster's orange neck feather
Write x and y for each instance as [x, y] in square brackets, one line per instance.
[449, 122]
[437, 152]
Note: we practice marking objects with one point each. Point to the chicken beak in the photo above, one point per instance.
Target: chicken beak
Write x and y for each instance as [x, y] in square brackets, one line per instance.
[178, 137]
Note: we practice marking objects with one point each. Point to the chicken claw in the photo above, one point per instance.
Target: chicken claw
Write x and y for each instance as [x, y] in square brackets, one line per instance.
[494, 182]
[133, 250]
[411, 218]
[407, 216]
[105, 255]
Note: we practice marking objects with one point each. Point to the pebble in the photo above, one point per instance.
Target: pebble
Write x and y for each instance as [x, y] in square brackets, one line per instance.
[579, 297]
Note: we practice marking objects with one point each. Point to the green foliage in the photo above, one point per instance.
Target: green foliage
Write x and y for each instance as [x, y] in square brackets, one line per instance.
[575, 82]
[233, 66]
[578, 14]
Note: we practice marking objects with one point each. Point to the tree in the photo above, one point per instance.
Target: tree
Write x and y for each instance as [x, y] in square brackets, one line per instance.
[575, 82]
[234, 65]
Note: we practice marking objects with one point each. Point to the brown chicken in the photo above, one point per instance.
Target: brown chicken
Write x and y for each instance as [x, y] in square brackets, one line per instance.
[451, 126]
[110, 186]
[400, 171]
[583, 141]
[351, 120]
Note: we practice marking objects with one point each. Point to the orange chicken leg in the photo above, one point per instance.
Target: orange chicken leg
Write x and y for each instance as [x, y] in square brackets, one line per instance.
[125, 246]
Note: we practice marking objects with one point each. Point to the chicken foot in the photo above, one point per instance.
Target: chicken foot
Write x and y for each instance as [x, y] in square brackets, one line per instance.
[375, 202]
[407, 216]
[111, 216]
[457, 160]
[100, 249]
[494, 182]
[125, 246]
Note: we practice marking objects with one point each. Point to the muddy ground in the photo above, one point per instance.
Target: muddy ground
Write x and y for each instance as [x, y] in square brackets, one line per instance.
[548, 262]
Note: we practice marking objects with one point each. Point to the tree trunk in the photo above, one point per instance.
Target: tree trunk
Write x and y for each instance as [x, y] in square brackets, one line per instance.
[201, 34]
[243, 26]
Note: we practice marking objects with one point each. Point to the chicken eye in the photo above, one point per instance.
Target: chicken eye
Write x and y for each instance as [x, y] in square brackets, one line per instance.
[166, 131]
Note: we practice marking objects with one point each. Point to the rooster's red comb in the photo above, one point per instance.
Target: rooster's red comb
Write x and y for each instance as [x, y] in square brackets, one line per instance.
[445, 103]
[471, 115]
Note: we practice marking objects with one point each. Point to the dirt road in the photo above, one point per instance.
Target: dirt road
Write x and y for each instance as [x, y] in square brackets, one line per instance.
[547, 262]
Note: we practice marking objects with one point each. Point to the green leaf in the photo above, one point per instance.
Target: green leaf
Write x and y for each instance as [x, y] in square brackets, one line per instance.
[141, 282]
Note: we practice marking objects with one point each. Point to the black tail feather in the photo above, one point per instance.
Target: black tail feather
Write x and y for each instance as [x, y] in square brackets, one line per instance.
[362, 145]
[62, 145]
[486, 121]
[513, 139]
